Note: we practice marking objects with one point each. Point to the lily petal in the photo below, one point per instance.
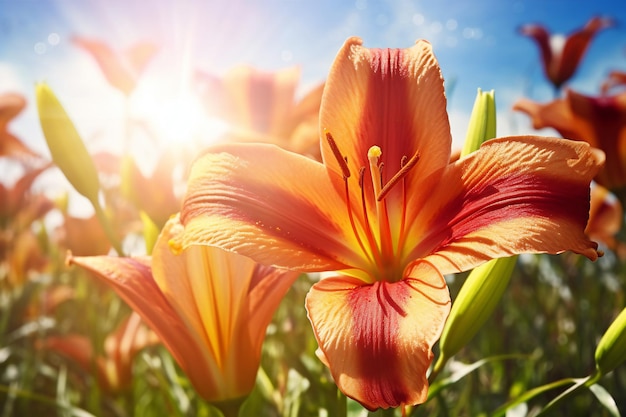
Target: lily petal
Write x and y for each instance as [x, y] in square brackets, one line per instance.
[239, 198]
[377, 339]
[383, 97]
[536, 189]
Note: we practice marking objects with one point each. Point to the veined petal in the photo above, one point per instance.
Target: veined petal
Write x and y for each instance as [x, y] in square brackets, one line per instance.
[514, 195]
[211, 300]
[132, 279]
[277, 207]
[393, 98]
[225, 298]
[377, 339]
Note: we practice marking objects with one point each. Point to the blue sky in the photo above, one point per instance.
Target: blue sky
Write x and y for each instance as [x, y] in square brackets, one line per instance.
[476, 44]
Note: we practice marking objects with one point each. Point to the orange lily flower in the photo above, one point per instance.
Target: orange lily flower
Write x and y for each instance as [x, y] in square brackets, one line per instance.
[560, 54]
[113, 370]
[391, 234]
[599, 121]
[209, 307]
[121, 69]
[11, 104]
[261, 107]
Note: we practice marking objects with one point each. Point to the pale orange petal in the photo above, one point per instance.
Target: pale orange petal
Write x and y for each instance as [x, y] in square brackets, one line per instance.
[132, 279]
[514, 195]
[377, 339]
[392, 98]
[274, 206]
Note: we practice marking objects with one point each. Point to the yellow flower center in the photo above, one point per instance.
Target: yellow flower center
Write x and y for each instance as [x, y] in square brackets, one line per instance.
[380, 247]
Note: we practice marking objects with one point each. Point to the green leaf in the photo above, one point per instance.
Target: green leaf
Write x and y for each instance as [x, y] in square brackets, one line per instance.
[605, 399]
[461, 370]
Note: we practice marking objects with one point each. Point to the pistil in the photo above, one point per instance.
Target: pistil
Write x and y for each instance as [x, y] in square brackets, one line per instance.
[384, 229]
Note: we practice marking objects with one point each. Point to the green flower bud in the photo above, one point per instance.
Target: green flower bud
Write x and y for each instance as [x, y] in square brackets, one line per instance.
[485, 285]
[611, 350]
[482, 125]
[66, 147]
[475, 303]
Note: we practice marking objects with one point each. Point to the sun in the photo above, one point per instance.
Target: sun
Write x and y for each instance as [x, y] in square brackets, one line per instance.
[177, 118]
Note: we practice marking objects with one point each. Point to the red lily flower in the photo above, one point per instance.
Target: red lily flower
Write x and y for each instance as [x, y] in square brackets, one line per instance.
[261, 107]
[599, 121]
[114, 369]
[391, 234]
[122, 70]
[209, 307]
[560, 54]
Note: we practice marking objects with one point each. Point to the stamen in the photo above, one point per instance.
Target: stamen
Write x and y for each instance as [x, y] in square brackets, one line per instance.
[361, 175]
[343, 162]
[406, 167]
[351, 217]
[366, 226]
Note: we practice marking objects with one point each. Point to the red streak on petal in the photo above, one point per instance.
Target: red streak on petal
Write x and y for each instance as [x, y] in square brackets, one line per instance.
[387, 119]
[515, 196]
[376, 314]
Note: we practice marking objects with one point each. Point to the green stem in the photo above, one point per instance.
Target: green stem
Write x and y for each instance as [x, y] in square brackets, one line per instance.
[108, 229]
[441, 362]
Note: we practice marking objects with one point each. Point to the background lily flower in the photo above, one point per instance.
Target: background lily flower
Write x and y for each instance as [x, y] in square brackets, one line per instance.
[121, 69]
[11, 104]
[261, 106]
[153, 194]
[389, 212]
[209, 307]
[606, 216]
[114, 369]
[599, 121]
[615, 79]
[561, 55]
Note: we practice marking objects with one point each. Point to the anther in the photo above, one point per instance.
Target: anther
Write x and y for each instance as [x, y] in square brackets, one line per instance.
[343, 162]
[406, 166]
[361, 175]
